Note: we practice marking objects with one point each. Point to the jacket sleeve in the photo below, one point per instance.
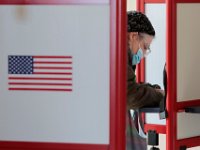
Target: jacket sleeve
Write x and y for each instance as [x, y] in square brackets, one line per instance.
[141, 95]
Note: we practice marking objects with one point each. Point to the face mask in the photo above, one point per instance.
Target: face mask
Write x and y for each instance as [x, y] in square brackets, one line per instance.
[137, 57]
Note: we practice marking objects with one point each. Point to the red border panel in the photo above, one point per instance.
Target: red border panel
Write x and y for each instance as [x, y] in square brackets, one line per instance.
[182, 105]
[137, 5]
[49, 146]
[140, 70]
[171, 128]
[118, 75]
[189, 142]
[154, 1]
[52, 2]
[118, 61]
[187, 1]
[158, 128]
[113, 111]
[121, 72]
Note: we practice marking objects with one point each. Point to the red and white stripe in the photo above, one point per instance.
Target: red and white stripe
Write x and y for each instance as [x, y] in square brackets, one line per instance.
[50, 73]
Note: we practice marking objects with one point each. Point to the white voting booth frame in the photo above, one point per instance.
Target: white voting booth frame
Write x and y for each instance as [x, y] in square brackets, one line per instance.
[88, 32]
[178, 19]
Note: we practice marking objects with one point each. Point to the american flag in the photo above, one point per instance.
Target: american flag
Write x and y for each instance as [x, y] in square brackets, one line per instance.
[40, 73]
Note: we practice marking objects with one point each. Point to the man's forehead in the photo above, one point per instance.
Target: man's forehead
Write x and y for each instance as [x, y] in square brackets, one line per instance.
[148, 38]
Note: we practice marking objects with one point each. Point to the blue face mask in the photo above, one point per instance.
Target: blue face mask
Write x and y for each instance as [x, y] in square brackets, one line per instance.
[137, 57]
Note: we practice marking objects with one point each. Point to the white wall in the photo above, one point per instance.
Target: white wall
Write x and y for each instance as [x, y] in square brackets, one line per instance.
[156, 59]
[131, 4]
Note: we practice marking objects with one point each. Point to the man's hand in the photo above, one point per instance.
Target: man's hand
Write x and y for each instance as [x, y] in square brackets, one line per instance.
[161, 91]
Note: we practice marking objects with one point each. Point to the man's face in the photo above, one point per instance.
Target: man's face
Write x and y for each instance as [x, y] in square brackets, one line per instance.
[144, 43]
[140, 40]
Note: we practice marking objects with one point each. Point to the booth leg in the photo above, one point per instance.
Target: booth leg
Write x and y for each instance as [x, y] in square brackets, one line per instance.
[154, 148]
[153, 139]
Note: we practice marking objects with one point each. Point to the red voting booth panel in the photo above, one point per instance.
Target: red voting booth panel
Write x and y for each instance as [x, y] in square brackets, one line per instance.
[176, 104]
[117, 80]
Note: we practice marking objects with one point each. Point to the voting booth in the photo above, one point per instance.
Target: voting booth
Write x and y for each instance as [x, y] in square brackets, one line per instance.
[62, 84]
[176, 43]
[63, 73]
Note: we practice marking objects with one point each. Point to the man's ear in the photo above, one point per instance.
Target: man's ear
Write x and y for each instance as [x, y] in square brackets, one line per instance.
[133, 35]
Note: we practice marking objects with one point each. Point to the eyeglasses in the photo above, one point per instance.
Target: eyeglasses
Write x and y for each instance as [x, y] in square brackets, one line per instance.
[147, 50]
[145, 44]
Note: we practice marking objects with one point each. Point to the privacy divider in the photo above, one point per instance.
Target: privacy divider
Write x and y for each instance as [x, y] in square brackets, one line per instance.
[181, 45]
[63, 74]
